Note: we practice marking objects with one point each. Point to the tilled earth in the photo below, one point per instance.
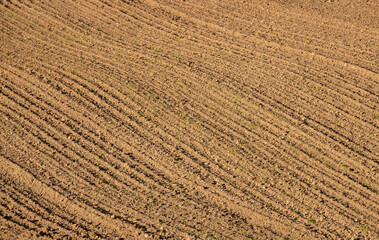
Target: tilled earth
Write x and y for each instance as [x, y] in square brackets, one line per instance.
[192, 119]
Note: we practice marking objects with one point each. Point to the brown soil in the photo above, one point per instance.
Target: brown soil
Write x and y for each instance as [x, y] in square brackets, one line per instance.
[192, 119]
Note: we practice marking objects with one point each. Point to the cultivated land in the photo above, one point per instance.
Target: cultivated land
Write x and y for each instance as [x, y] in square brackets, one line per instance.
[158, 119]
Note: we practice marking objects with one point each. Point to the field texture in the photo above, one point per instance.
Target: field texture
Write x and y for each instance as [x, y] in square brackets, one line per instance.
[191, 119]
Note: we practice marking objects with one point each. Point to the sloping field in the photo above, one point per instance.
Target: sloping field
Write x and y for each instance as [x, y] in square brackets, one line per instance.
[192, 119]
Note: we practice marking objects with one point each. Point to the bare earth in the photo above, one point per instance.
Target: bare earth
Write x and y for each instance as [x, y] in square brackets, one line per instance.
[192, 119]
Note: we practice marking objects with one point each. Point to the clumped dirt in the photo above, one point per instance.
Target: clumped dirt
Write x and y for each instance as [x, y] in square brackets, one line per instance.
[157, 119]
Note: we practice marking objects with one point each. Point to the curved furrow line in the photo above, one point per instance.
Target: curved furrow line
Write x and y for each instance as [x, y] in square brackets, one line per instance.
[12, 221]
[295, 69]
[87, 180]
[74, 128]
[312, 76]
[33, 146]
[280, 113]
[268, 30]
[73, 48]
[367, 78]
[296, 74]
[242, 90]
[10, 211]
[43, 10]
[258, 34]
[234, 13]
[232, 174]
[82, 53]
[54, 135]
[345, 26]
[318, 91]
[228, 158]
[245, 86]
[328, 115]
[75, 26]
[94, 204]
[55, 148]
[38, 215]
[82, 178]
[264, 53]
[45, 206]
[351, 192]
[53, 207]
[280, 148]
[124, 183]
[369, 66]
[256, 90]
[316, 75]
[243, 138]
[239, 11]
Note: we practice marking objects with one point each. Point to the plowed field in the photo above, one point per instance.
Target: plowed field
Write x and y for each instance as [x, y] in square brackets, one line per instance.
[192, 119]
